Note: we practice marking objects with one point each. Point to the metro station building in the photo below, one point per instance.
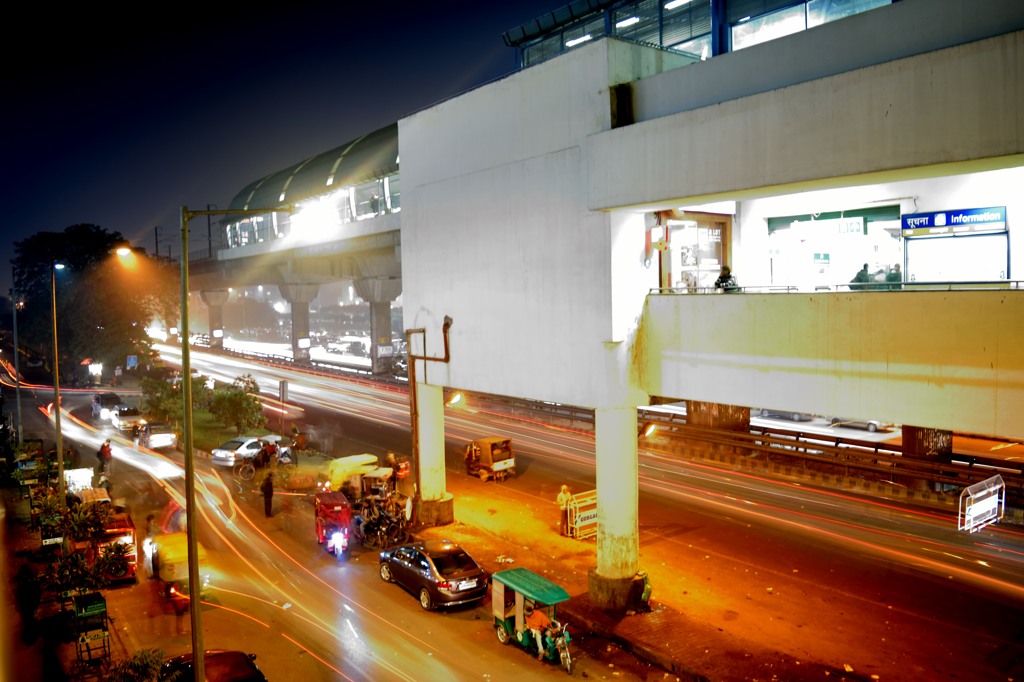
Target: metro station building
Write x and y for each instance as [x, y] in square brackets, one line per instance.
[572, 217]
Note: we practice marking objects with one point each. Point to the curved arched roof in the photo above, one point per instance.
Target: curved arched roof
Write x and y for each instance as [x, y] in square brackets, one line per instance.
[373, 155]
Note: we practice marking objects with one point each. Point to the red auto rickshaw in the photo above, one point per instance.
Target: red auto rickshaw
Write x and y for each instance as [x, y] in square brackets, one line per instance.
[333, 515]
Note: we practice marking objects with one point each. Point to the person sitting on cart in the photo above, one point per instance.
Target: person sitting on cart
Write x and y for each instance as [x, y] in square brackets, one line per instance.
[538, 622]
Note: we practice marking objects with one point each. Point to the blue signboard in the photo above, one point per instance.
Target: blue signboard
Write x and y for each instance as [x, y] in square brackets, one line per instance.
[960, 221]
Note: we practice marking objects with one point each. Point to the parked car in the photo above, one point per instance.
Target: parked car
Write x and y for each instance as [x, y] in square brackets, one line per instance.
[439, 572]
[783, 414]
[871, 425]
[159, 435]
[219, 666]
[244, 447]
[125, 418]
[103, 403]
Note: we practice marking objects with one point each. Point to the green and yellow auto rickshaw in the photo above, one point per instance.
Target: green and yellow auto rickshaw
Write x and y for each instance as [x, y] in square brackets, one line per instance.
[518, 596]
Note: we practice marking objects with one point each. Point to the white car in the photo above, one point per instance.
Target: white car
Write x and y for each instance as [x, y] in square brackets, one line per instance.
[243, 448]
[160, 435]
[125, 418]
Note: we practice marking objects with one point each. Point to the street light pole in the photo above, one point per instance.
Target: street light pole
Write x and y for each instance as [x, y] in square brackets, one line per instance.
[17, 368]
[198, 661]
[56, 385]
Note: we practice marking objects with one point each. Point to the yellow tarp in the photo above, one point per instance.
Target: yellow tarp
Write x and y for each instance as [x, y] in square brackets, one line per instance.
[344, 468]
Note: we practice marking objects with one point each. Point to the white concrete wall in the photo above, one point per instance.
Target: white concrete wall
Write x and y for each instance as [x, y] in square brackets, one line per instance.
[950, 360]
[956, 105]
[496, 233]
[515, 223]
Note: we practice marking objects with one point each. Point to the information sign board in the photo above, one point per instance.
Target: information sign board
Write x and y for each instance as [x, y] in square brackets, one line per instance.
[981, 504]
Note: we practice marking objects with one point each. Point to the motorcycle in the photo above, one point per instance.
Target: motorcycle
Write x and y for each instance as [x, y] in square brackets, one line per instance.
[332, 520]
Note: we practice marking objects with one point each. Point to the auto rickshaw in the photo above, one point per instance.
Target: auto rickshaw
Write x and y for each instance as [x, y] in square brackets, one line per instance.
[490, 457]
[333, 519]
[516, 591]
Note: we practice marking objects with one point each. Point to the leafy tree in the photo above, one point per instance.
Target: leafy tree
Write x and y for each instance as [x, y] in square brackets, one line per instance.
[162, 399]
[103, 306]
[239, 404]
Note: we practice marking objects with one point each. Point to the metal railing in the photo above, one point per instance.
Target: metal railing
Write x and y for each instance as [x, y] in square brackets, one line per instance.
[979, 285]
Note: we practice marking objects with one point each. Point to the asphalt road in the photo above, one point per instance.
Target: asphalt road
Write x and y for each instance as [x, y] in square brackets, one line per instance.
[275, 592]
[815, 574]
[880, 585]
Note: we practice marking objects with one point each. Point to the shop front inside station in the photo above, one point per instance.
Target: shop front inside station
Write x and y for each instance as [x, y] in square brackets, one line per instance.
[947, 231]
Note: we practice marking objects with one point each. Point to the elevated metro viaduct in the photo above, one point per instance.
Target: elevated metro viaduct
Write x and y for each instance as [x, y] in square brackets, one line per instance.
[542, 212]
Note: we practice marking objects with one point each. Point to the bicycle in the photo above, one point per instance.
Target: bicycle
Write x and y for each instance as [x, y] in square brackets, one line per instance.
[244, 470]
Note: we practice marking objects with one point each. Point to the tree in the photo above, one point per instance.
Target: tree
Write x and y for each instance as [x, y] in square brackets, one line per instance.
[162, 399]
[89, 325]
[239, 405]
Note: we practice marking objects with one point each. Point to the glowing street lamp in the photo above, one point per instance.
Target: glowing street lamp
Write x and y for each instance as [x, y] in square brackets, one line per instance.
[54, 267]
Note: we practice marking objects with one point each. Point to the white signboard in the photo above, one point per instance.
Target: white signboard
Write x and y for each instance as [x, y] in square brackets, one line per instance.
[981, 504]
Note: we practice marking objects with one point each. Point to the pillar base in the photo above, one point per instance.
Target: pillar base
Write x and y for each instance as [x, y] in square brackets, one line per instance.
[613, 594]
[436, 512]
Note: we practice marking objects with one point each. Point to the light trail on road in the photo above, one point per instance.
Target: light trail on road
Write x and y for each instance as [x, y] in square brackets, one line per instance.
[865, 525]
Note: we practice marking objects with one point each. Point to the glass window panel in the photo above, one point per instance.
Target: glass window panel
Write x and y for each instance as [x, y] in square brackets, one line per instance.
[768, 27]
[824, 11]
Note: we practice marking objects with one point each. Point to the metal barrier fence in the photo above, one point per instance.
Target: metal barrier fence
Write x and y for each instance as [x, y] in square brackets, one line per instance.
[583, 515]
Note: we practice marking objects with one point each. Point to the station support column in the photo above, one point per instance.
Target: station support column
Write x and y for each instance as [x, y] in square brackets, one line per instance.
[435, 502]
[299, 297]
[215, 300]
[379, 292]
[618, 544]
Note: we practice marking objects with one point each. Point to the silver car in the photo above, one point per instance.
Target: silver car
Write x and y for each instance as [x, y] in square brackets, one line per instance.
[236, 449]
[871, 425]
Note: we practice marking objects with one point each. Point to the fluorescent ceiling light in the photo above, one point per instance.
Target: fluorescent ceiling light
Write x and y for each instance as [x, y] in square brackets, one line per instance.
[627, 22]
[676, 3]
[576, 41]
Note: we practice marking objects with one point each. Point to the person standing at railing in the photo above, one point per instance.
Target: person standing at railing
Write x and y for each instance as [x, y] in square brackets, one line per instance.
[726, 281]
[861, 279]
[894, 278]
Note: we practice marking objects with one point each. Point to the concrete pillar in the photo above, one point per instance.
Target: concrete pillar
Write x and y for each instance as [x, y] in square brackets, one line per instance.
[922, 443]
[215, 301]
[717, 416]
[435, 503]
[299, 297]
[379, 292]
[618, 543]
[380, 335]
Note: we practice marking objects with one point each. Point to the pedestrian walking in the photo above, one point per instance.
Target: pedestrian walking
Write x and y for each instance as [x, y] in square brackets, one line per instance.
[564, 497]
[268, 494]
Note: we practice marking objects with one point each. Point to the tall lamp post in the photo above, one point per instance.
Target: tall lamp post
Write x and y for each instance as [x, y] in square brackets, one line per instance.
[54, 267]
[17, 367]
[198, 662]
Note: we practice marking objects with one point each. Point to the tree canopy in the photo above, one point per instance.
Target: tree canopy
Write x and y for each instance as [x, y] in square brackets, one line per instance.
[239, 404]
[104, 303]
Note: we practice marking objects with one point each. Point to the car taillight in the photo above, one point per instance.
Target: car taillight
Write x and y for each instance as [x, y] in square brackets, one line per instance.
[444, 586]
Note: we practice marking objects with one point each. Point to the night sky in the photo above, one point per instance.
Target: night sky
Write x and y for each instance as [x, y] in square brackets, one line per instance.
[119, 118]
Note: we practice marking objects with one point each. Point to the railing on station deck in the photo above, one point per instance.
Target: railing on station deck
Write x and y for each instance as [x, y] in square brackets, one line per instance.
[980, 285]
